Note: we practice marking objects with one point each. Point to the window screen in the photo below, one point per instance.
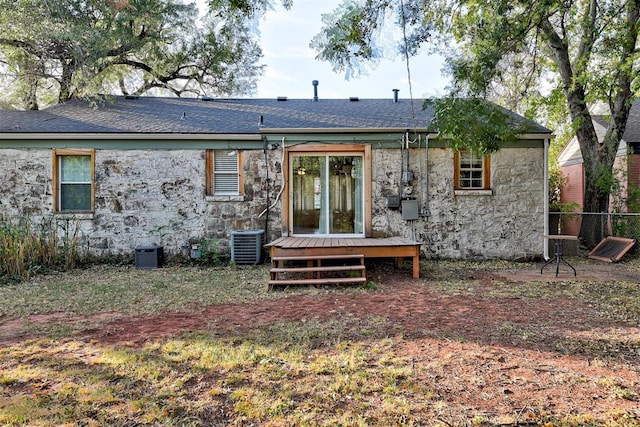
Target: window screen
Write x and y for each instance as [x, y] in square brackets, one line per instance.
[74, 183]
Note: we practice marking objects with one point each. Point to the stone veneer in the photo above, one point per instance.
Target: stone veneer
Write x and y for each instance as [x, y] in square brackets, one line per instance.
[145, 197]
[508, 223]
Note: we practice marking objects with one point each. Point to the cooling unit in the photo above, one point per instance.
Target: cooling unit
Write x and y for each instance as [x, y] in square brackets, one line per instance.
[246, 246]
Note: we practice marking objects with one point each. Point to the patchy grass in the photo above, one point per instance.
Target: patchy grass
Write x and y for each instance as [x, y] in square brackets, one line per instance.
[617, 301]
[338, 370]
[201, 380]
[128, 290]
[204, 381]
[125, 289]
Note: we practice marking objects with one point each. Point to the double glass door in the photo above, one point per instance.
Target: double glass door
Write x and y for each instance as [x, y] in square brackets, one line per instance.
[327, 194]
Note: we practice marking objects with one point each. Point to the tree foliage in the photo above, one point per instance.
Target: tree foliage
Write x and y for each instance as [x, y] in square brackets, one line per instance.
[473, 123]
[563, 54]
[52, 51]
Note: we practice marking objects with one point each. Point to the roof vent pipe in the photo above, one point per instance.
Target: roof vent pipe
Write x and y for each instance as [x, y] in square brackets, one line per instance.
[395, 95]
[315, 90]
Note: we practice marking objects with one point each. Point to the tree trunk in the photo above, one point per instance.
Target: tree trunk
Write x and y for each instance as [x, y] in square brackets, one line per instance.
[65, 81]
[597, 170]
[596, 197]
[597, 189]
[599, 157]
[30, 93]
[30, 70]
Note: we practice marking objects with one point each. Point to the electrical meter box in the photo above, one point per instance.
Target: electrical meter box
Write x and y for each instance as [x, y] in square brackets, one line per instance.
[393, 202]
[409, 210]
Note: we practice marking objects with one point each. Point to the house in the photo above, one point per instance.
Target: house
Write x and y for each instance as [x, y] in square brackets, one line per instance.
[135, 171]
[626, 167]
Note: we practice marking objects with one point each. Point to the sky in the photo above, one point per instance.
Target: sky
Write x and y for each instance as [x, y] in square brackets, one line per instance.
[291, 65]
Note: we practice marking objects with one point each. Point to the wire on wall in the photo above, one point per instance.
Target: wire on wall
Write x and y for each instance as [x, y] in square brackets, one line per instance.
[275, 202]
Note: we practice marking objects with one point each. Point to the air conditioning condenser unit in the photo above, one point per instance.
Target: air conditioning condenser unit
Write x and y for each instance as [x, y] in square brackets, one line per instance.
[246, 246]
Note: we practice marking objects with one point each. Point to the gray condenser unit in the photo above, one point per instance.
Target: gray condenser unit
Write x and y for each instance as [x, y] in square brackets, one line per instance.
[246, 246]
[149, 257]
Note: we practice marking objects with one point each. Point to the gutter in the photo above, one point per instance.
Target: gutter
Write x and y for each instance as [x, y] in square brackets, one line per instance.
[288, 131]
[339, 130]
[225, 136]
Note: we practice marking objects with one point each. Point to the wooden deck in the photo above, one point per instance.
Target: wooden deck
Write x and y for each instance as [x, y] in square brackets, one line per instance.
[389, 247]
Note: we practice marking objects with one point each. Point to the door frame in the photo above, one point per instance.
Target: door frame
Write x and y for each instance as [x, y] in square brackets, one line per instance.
[364, 150]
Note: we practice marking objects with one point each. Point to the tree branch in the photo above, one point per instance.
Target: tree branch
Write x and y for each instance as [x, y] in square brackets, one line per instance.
[587, 38]
[620, 104]
[560, 53]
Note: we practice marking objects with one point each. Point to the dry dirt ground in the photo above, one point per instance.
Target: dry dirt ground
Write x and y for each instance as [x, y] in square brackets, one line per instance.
[485, 354]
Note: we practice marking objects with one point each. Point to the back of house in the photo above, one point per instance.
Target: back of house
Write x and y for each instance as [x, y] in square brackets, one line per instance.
[129, 172]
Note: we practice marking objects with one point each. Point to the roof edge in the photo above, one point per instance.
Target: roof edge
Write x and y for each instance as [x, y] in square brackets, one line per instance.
[133, 136]
[282, 131]
[342, 130]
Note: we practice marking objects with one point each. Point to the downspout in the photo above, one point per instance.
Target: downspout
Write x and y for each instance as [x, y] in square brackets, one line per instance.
[426, 212]
[266, 164]
[400, 182]
[545, 249]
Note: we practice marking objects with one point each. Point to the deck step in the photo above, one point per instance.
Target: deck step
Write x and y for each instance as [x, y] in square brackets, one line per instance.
[321, 257]
[320, 281]
[318, 269]
[314, 272]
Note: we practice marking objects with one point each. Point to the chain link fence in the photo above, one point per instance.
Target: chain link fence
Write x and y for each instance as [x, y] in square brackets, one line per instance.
[608, 224]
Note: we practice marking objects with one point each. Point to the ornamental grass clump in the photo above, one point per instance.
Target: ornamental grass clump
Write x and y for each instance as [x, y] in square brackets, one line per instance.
[27, 248]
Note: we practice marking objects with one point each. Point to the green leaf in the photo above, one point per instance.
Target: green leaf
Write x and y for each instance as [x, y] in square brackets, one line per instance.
[473, 124]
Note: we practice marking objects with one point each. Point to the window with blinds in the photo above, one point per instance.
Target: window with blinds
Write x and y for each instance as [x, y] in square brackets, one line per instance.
[223, 173]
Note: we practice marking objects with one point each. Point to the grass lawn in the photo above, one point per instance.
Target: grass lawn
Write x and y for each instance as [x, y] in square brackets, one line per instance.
[469, 344]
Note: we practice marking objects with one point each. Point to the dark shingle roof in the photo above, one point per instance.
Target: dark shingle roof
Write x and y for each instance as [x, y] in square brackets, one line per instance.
[223, 116]
[632, 132]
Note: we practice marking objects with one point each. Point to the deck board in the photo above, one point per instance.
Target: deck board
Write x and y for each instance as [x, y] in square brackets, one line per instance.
[389, 247]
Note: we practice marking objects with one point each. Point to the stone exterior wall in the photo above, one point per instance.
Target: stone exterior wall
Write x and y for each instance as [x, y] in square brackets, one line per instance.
[508, 223]
[25, 183]
[145, 197]
[142, 197]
